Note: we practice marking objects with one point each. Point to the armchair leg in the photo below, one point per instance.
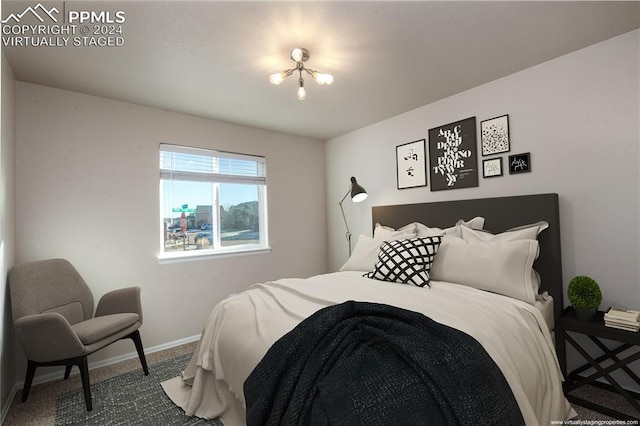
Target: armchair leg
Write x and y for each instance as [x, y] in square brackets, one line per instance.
[67, 371]
[31, 371]
[83, 365]
[135, 336]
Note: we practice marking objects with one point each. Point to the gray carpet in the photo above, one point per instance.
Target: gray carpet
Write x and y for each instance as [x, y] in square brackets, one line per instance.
[603, 397]
[129, 399]
[134, 399]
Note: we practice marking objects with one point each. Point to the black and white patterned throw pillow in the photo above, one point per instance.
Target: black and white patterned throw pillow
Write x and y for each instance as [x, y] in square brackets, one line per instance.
[406, 261]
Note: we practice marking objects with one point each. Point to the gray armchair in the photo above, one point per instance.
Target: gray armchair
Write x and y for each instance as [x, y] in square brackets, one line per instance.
[53, 316]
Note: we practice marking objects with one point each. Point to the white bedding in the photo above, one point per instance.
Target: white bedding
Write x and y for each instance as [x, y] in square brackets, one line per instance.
[545, 306]
[241, 329]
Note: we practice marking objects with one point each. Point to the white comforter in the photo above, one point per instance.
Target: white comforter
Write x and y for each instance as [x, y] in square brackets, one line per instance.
[241, 329]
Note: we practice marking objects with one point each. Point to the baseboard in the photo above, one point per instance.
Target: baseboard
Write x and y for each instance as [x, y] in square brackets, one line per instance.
[5, 408]
[45, 378]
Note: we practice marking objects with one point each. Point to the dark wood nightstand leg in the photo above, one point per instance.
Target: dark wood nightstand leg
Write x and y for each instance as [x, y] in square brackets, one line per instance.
[601, 372]
[612, 354]
[572, 384]
[599, 360]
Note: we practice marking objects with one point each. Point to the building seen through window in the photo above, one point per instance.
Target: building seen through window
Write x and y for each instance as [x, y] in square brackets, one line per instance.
[211, 201]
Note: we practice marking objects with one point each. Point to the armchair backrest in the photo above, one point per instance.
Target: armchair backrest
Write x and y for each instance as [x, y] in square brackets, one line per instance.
[52, 285]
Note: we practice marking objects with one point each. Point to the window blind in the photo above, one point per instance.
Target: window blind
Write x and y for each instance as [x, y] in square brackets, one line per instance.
[202, 165]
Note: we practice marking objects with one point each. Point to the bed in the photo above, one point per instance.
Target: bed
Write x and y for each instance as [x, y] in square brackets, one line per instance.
[516, 332]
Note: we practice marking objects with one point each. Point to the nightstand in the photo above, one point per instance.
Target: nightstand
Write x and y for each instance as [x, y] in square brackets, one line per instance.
[595, 329]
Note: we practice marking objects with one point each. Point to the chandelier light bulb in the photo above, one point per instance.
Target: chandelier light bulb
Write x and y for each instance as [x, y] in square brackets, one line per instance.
[301, 92]
[276, 78]
[323, 78]
[296, 54]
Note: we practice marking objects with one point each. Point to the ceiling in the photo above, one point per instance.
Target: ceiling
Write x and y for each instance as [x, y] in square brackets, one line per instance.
[213, 59]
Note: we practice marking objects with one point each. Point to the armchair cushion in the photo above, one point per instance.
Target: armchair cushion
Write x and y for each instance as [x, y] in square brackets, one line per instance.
[98, 328]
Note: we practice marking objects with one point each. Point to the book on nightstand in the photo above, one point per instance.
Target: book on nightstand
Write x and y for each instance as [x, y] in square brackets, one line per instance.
[624, 319]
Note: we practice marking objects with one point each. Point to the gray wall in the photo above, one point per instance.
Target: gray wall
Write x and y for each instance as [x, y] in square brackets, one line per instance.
[7, 231]
[578, 115]
[88, 190]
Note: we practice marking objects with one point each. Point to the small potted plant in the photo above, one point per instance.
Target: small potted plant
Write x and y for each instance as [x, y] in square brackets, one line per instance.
[585, 296]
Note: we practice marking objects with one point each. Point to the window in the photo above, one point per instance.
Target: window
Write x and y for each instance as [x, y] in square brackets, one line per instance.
[211, 202]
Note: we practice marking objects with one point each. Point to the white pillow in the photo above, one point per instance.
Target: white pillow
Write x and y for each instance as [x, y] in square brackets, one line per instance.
[365, 254]
[503, 267]
[387, 233]
[525, 232]
[410, 228]
[426, 231]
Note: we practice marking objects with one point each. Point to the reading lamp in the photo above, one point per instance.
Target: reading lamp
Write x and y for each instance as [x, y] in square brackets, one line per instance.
[358, 194]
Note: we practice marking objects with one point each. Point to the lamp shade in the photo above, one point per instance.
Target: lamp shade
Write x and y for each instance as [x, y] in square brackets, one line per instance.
[358, 193]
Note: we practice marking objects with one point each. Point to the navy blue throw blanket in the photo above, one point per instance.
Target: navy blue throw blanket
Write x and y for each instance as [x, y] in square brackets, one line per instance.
[363, 363]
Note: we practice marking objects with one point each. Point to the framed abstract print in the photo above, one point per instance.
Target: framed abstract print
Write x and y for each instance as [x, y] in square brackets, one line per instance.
[492, 167]
[519, 163]
[411, 165]
[495, 135]
[453, 161]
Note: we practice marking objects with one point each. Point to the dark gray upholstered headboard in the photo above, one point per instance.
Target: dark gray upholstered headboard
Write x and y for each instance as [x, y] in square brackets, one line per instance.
[500, 214]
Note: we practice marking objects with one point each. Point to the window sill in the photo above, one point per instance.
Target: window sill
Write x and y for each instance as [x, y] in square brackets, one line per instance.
[194, 255]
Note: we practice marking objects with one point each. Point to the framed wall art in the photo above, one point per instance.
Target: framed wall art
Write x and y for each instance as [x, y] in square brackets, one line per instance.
[453, 161]
[492, 167]
[411, 164]
[519, 163]
[495, 135]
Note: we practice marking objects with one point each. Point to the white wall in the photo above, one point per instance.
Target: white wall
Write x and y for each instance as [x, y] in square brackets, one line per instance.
[579, 117]
[7, 231]
[88, 191]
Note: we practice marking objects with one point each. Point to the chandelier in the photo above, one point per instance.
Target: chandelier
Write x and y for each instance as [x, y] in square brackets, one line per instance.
[300, 55]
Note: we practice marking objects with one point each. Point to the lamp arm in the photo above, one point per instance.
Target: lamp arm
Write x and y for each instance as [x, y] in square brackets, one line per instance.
[345, 195]
[348, 233]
